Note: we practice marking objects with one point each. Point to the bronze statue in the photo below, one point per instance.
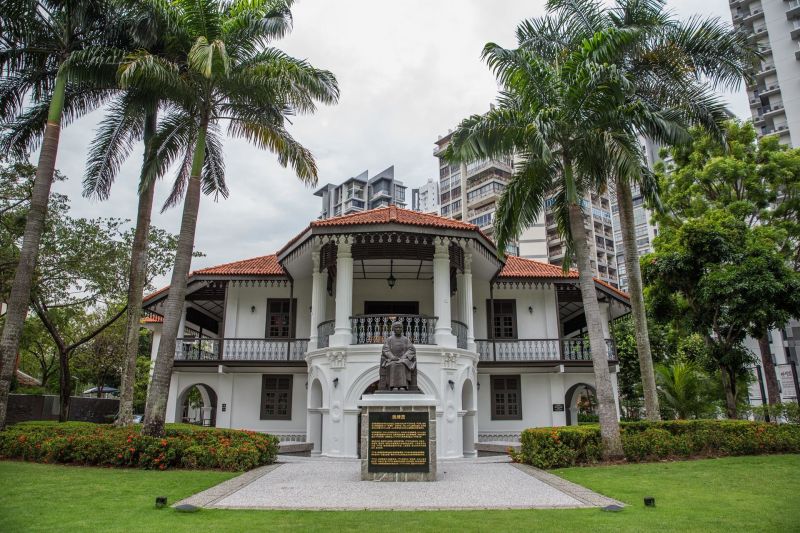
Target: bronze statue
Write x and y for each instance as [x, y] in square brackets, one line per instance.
[398, 362]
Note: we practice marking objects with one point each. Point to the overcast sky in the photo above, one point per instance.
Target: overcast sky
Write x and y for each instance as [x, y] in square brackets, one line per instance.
[408, 71]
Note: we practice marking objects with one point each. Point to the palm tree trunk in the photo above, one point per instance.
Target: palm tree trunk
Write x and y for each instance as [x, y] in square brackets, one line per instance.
[625, 203]
[19, 298]
[606, 406]
[773, 391]
[138, 273]
[158, 392]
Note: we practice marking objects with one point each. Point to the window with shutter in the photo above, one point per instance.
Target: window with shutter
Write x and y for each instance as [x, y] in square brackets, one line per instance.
[506, 398]
[276, 397]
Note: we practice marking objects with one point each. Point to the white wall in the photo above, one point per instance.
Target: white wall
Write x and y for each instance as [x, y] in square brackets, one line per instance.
[542, 323]
[539, 392]
[242, 322]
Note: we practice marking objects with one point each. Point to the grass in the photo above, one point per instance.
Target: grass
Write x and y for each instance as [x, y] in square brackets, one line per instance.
[742, 493]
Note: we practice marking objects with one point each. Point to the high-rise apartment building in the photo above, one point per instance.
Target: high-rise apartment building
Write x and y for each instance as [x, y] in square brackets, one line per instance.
[774, 95]
[471, 191]
[426, 198]
[361, 193]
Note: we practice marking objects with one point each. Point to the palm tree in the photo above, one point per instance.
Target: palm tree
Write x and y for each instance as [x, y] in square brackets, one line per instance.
[228, 74]
[670, 62]
[684, 389]
[570, 121]
[43, 43]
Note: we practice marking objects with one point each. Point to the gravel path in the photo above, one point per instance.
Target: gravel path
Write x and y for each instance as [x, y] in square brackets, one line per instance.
[319, 483]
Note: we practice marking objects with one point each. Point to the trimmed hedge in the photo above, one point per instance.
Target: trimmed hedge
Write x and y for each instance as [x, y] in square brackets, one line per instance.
[651, 441]
[183, 446]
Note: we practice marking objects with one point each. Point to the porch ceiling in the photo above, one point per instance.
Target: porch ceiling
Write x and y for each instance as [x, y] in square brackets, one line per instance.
[399, 268]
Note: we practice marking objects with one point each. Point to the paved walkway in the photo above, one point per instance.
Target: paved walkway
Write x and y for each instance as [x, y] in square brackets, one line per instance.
[321, 483]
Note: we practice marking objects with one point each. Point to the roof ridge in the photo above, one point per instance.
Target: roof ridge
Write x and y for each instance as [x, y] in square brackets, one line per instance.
[348, 215]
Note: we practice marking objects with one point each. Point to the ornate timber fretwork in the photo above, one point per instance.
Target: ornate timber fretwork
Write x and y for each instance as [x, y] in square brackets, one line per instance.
[391, 245]
[522, 284]
[274, 282]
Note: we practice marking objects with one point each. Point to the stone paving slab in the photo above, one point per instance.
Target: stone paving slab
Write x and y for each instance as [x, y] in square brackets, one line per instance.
[334, 484]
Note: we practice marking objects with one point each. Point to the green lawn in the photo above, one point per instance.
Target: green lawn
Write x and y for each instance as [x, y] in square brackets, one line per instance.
[734, 494]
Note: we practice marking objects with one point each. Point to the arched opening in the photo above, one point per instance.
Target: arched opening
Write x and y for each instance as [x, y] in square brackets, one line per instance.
[315, 416]
[581, 403]
[198, 405]
[371, 388]
[468, 420]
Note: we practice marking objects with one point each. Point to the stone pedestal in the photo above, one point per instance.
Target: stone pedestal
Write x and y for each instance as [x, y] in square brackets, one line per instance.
[402, 426]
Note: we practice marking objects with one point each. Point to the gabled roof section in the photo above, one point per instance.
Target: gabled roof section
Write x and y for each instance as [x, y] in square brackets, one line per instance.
[394, 215]
[519, 267]
[266, 265]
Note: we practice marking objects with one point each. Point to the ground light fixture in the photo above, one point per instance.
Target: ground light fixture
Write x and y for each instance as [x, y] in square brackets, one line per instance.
[161, 502]
[649, 501]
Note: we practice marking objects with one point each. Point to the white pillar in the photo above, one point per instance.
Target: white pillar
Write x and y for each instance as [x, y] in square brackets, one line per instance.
[317, 302]
[558, 418]
[469, 316]
[441, 295]
[344, 296]
[182, 323]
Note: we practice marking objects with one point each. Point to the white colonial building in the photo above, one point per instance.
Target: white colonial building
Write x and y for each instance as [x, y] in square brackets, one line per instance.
[289, 343]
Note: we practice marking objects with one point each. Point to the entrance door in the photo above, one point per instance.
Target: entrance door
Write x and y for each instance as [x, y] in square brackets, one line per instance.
[391, 308]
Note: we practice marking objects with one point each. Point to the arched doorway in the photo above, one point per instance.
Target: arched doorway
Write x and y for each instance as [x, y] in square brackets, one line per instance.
[580, 399]
[369, 390]
[197, 404]
[468, 420]
[315, 416]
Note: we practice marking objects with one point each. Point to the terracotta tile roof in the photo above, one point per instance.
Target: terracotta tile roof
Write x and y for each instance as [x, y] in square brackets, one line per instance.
[519, 267]
[393, 214]
[266, 265]
[154, 294]
[27, 380]
[610, 287]
[152, 320]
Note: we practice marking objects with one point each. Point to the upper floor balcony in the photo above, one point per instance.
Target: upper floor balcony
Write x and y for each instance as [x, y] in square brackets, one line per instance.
[539, 350]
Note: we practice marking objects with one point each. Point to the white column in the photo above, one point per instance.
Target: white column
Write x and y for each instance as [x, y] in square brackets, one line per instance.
[182, 323]
[441, 295]
[317, 301]
[344, 296]
[559, 418]
[468, 316]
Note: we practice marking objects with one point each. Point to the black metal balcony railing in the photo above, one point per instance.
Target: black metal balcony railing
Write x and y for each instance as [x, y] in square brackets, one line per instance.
[324, 332]
[523, 350]
[373, 329]
[194, 349]
[459, 330]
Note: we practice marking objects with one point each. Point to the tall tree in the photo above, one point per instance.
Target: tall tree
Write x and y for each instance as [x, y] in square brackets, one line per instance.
[722, 276]
[41, 41]
[229, 74]
[760, 180]
[570, 120]
[132, 116]
[668, 62]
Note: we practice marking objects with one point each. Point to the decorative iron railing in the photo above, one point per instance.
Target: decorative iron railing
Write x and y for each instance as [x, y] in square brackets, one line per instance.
[194, 349]
[324, 332]
[523, 350]
[460, 331]
[373, 329]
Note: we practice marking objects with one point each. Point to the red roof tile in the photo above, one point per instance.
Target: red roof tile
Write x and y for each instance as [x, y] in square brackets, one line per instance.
[519, 267]
[154, 294]
[152, 320]
[613, 289]
[393, 214]
[266, 265]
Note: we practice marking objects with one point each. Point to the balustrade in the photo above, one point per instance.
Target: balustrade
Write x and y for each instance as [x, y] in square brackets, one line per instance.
[194, 349]
[373, 329]
[523, 350]
[460, 332]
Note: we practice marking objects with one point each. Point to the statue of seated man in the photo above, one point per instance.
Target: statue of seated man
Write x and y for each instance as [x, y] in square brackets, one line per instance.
[398, 360]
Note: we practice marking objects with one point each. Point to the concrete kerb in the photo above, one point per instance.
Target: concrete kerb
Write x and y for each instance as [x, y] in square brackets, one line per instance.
[579, 492]
[209, 497]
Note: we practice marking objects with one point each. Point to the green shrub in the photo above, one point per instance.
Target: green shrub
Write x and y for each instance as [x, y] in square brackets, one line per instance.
[183, 446]
[650, 441]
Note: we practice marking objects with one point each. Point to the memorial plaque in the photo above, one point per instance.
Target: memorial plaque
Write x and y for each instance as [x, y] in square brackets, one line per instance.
[398, 441]
[558, 407]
